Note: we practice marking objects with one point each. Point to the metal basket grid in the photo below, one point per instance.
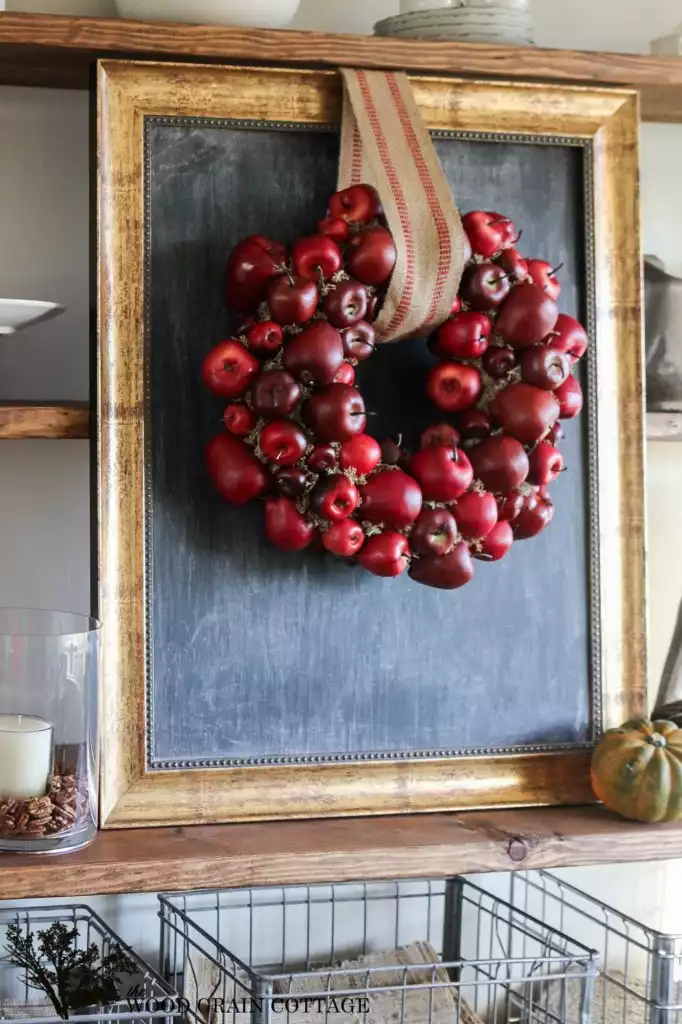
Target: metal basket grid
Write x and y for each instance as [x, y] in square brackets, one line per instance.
[640, 968]
[490, 962]
[148, 997]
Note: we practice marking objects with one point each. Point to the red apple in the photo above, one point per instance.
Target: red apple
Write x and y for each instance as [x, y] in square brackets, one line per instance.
[249, 268]
[386, 555]
[546, 463]
[391, 498]
[391, 453]
[543, 274]
[444, 572]
[346, 375]
[372, 256]
[440, 435]
[316, 257]
[475, 424]
[362, 454]
[265, 338]
[285, 527]
[323, 459]
[336, 413]
[346, 304]
[239, 420]
[454, 387]
[510, 235]
[527, 316]
[497, 543]
[556, 434]
[484, 286]
[229, 370]
[545, 367]
[512, 263]
[292, 300]
[334, 498]
[236, 473]
[569, 336]
[283, 442]
[570, 396]
[275, 394]
[486, 232]
[464, 336]
[536, 514]
[500, 463]
[476, 514]
[444, 474]
[509, 506]
[291, 482]
[434, 533]
[499, 362]
[335, 228]
[344, 539]
[526, 412]
[359, 341]
[456, 306]
[315, 355]
[359, 204]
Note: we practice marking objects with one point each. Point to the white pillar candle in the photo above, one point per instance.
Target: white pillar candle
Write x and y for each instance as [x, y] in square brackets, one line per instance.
[25, 756]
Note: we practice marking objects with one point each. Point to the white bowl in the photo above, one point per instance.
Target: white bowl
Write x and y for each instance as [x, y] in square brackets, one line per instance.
[258, 13]
[16, 314]
[408, 6]
[78, 8]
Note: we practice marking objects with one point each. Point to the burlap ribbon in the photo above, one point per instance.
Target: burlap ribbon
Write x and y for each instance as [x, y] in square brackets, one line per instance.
[384, 143]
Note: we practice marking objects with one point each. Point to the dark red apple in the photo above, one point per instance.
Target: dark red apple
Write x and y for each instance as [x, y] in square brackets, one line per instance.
[536, 514]
[498, 362]
[285, 527]
[334, 498]
[475, 424]
[344, 539]
[359, 204]
[570, 396]
[440, 435]
[512, 263]
[292, 300]
[486, 232]
[239, 420]
[386, 555]
[434, 533]
[484, 286]
[454, 387]
[444, 572]
[509, 506]
[359, 341]
[543, 274]
[283, 442]
[250, 266]
[497, 543]
[265, 338]
[545, 367]
[316, 257]
[444, 474]
[391, 453]
[526, 412]
[391, 498]
[236, 473]
[362, 454]
[569, 336]
[527, 316]
[346, 304]
[556, 434]
[229, 370]
[456, 306]
[476, 514]
[275, 394]
[336, 413]
[371, 256]
[323, 458]
[335, 228]
[315, 355]
[510, 235]
[346, 375]
[546, 463]
[500, 463]
[291, 482]
[464, 336]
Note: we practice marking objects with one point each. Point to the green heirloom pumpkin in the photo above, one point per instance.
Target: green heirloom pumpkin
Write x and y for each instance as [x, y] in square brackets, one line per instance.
[637, 771]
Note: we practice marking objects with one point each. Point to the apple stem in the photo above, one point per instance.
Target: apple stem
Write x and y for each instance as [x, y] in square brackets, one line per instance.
[518, 237]
[484, 557]
[557, 269]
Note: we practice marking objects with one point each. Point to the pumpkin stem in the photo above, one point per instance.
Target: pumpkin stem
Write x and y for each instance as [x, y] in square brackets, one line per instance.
[657, 740]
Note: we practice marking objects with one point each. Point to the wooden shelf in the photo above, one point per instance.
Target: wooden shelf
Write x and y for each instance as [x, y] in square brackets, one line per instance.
[66, 421]
[664, 426]
[291, 853]
[57, 51]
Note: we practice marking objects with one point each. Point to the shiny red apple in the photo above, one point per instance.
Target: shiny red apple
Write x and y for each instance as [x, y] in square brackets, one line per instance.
[544, 367]
[391, 498]
[544, 275]
[498, 362]
[386, 555]
[315, 355]
[346, 374]
[569, 336]
[359, 204]
[239, 420]
[537, 513]
[443, 473]
[526, 412]
[275, 394]
[346, 304]
[344, 539]
[444, 572]
[285, 527]
[229, 370]
[323, 458]
[291, 482]
[371, 256]
[500, 463]
[476, 514]
[292, 300]
[486, 232]
[570, 396]
[546, 463]
[475, 424]
[512, 263]
[434, 532]
[251, 264]
[336, 413]
[454, 387]
[464, 336]
[283, 442]
[334, 498]
[362, 454]
[440, 435]
[497, 543]
[484, 286]
[317, 257]
[236, 473]
[335, 228]
[527, 317]
[359, 341]
[265, 338]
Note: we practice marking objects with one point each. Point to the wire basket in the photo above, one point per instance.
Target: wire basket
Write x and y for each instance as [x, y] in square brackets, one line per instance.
[147, 996]
[428, 952]
[641, 968]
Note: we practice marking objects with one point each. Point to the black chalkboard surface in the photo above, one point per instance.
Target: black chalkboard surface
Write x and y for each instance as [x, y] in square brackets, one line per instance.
[259, 657]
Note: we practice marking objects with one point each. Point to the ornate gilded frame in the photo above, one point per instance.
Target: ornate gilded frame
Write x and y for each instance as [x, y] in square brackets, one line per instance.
[135, 794]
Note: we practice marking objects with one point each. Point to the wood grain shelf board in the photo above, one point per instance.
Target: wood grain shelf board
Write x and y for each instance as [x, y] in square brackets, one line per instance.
[664, 426]
[65, 421]
[51, 50]
[291, 853]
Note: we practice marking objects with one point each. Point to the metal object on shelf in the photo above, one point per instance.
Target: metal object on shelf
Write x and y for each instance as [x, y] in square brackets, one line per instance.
[640, 968]
[260, 950]
[146, 996]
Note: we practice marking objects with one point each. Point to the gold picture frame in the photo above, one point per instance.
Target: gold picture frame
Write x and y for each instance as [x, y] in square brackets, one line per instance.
[132, 795]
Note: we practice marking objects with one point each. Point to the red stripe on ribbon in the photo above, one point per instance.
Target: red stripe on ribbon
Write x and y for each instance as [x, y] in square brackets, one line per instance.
[357, 164]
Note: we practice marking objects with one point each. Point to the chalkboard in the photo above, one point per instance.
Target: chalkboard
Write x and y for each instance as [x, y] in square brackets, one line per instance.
[259, 657]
